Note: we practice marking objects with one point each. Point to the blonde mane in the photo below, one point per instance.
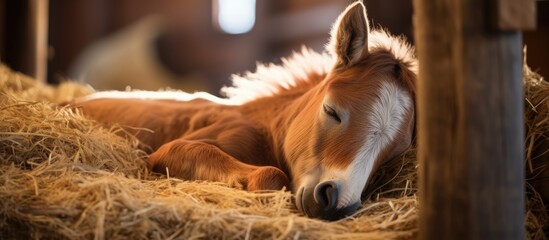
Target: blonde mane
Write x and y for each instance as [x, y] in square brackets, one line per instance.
[269, 79]
[397, 45]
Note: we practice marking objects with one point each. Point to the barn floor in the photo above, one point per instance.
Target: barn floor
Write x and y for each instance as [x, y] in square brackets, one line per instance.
[63, 176]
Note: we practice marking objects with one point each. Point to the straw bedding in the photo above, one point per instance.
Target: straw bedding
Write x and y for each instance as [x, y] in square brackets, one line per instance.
[64, 177]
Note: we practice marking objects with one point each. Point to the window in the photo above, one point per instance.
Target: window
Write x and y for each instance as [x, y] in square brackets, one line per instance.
[234, 16]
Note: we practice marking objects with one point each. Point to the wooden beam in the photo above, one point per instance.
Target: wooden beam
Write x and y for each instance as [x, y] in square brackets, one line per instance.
[39, 9]
[514, 15]
[25, 36]
[470, 126]
[298, 24]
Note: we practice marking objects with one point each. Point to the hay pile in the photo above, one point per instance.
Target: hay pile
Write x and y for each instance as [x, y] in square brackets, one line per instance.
[63, 176]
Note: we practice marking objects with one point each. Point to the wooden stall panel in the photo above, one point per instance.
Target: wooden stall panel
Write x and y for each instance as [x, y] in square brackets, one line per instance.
[514, 15]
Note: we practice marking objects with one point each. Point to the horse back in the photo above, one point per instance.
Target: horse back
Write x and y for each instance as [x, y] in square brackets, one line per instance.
[153, 122]
[156, 122]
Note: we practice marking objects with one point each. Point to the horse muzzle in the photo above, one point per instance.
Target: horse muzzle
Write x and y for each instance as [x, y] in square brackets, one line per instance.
[322, 201]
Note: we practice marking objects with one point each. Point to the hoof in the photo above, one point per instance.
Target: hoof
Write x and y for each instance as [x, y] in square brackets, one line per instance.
[267, 178]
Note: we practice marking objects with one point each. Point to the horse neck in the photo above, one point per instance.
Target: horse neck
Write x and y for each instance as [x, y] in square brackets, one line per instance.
[276, 113]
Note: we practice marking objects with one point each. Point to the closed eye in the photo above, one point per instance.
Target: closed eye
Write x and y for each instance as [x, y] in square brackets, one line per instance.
[332, 113]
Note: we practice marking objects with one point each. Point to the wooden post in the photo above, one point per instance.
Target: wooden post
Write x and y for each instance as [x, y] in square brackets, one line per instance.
[39, 14]
[24, 32]
[470, 126]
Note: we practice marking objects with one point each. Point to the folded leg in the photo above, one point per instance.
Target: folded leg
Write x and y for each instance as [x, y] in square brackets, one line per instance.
[198, 160]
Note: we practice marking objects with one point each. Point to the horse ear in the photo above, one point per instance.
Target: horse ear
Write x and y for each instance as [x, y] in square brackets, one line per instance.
[349, 37]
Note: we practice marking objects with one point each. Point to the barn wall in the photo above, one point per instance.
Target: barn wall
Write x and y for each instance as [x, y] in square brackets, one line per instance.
[281, 27]
[537, 41]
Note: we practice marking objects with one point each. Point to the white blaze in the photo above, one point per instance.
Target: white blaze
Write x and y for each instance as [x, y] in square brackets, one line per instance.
[383, 121]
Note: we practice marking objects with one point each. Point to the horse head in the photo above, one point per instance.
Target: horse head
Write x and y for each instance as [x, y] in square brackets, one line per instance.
[359, 116]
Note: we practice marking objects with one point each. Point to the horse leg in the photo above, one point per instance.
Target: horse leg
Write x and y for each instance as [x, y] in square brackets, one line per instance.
[196, 160]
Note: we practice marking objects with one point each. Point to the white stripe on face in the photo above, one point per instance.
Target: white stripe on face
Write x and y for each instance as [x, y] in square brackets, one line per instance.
[386, 116]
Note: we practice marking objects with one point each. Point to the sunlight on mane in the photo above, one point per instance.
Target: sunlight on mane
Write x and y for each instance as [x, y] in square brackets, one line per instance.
[397, 45]
[267, 79]
[160, 95]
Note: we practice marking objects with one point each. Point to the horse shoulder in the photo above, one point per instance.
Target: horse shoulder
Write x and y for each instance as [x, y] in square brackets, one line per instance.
[232, 132]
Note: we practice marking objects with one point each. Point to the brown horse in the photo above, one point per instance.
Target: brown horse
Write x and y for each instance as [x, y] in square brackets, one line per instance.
[319, 124]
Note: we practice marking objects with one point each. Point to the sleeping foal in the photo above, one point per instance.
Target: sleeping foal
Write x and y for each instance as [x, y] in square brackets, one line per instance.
[321, 134]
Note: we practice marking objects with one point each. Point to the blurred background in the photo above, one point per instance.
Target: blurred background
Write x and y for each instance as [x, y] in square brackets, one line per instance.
[186, 44]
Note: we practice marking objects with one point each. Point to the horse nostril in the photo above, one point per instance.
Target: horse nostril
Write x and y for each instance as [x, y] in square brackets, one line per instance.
[326, 194]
